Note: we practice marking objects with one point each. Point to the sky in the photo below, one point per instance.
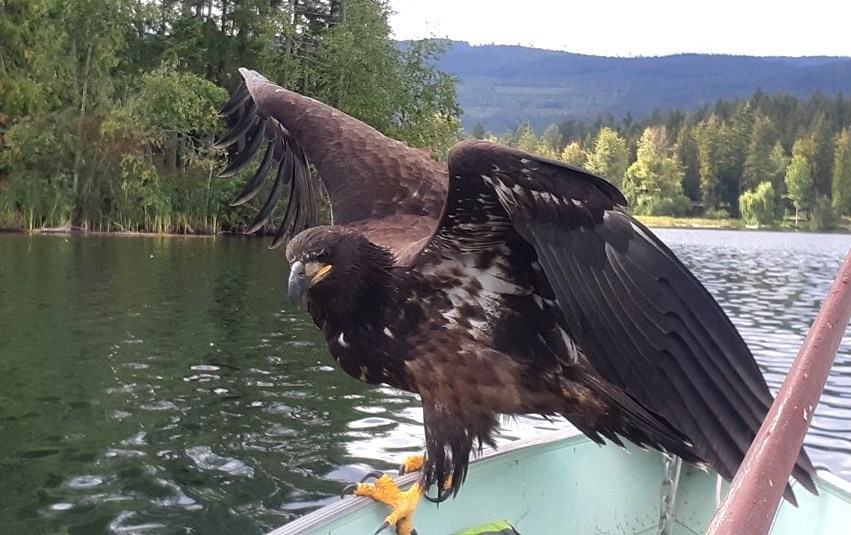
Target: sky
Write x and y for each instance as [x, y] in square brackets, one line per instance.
[637, 27]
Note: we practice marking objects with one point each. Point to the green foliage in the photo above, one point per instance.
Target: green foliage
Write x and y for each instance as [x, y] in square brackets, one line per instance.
[823, 216]
[841, 184]
[173, 100]
[708, 135]
[551, 139]
[757, 206]
[717, 156]
[610, 157]
[716, 213]
[799, 177]
[526, 139]
[109, 106]
[758, 166]
[653, 183]
[573, 153]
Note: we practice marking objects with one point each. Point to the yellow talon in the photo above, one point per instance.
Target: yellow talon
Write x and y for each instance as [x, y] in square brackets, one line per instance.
[402, 503]
[412, 464]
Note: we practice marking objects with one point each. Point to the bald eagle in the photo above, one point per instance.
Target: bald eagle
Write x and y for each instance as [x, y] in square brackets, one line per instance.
[501, 283]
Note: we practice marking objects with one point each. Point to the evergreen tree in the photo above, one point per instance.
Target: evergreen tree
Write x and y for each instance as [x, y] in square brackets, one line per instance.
[551, 139]
[799, 178]
[687, 153]
[709, 141]
[758, 164]
[823, 142]
[527, 140]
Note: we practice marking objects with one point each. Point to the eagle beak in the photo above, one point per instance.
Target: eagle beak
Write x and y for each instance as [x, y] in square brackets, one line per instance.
[303, 278]
[298, 283]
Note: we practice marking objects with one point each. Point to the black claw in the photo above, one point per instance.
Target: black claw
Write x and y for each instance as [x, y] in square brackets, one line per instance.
[414, 531]
[375, 474]
[381, 528]
[442, 496]
[402, 469]
[350, 489]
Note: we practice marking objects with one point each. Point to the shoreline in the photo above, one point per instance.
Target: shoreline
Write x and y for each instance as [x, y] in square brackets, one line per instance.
[663, 222]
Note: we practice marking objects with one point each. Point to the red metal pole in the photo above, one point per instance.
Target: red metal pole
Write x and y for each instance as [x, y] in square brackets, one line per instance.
[757, 489]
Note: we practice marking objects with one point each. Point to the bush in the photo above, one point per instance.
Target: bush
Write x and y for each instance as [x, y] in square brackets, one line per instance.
[758, 206]
[667, 206]
[716, 213]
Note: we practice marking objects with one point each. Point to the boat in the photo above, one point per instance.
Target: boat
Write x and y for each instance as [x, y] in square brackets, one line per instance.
[562, 482]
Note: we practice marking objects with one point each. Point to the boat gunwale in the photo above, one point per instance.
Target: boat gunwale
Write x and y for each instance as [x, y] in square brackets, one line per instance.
[330, 513]
[315, 521]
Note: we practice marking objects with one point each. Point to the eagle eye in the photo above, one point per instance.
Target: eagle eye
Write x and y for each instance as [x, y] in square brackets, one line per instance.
[323, 256]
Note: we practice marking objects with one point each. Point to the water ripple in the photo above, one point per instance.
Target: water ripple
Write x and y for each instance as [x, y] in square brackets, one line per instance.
[192, 401]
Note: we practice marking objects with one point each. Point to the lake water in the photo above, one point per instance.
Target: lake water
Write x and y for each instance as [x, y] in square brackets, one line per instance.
[163, 385]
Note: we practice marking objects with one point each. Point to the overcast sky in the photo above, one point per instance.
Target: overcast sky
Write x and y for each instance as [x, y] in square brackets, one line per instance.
[637, 27]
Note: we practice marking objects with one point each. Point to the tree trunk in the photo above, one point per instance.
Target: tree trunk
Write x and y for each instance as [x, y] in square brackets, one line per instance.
[78, 151]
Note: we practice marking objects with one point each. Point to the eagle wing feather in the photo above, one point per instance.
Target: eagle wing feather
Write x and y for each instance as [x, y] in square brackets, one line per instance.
[642, 319]
[391, 192]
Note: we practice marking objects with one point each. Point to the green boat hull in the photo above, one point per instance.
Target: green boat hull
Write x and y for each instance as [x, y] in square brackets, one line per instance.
[564, 483]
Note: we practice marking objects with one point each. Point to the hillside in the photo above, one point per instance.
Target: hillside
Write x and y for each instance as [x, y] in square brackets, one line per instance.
[504, 86]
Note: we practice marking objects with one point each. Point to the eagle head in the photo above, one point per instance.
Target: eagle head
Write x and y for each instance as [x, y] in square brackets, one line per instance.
[337, 269]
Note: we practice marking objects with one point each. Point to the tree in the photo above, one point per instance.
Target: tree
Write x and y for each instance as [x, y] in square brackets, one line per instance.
[689, 160]
[758, 164]
[778, 162]
[758, 205]
[841, 184]
[823, 216]
[799, 178]
[709, 142]
[362, 72]
[573, 153]
[551, 139]
[479, 131]
[107, 107]
[610, 156]
[653, 184]
[527, 140]
[822, 154]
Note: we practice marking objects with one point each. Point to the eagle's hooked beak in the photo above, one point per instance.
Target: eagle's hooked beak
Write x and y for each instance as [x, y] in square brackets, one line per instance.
[302, 278]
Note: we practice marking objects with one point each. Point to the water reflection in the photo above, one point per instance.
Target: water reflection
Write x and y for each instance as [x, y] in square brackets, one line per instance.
[162, 386]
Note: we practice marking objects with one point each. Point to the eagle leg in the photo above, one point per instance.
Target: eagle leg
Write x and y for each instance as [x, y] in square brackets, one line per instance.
[414, 463]
[403, 503]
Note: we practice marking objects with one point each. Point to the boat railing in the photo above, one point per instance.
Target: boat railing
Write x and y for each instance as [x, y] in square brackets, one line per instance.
[757, 488]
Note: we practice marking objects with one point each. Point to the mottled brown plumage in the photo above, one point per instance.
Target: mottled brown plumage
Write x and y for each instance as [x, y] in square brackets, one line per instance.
[506, 283]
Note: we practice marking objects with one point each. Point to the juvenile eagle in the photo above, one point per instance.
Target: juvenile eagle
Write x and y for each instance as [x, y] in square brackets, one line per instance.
[505, 283]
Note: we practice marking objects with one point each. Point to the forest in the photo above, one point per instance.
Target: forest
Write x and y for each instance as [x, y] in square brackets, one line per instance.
[108, 108]
[108, 113]
[761, 159]
[505, 86]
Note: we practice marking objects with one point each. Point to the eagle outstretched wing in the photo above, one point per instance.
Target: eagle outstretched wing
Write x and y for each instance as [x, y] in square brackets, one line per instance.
[393, 193]
[633, 309]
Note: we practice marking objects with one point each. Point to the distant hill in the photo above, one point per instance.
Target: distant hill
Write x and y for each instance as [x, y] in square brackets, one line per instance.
[504, 86]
